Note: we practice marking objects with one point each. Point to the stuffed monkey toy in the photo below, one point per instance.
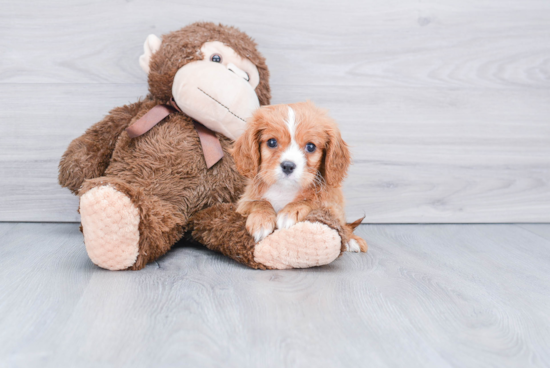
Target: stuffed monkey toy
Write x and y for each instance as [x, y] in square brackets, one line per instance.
[159, 168]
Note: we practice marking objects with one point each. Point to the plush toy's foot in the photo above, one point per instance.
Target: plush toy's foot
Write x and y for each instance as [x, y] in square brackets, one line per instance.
[306, 244]
[110, 223]
[125, 227]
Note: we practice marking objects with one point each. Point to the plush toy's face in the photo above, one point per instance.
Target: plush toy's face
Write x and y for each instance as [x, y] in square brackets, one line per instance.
[218, 91]
[217, 87]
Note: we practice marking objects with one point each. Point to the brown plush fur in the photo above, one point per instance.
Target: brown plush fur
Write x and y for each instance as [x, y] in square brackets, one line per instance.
[211, 227]
[163, 172]
[165, 175]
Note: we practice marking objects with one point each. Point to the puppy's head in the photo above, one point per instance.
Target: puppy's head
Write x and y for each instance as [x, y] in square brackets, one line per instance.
[295, 145]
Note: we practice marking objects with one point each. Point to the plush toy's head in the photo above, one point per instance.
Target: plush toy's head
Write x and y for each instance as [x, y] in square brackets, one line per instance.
[213, 72]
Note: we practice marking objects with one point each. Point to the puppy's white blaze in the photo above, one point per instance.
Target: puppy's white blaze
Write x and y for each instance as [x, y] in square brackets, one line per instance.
[293, 153]
[291, 122]
[286, 188]
[353, 246]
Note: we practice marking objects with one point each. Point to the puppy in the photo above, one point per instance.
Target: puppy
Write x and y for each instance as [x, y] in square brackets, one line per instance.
[296, 160]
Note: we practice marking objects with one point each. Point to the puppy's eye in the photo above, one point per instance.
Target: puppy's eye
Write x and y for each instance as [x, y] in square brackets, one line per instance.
[310, 147]
[216, 58]
[272, 143]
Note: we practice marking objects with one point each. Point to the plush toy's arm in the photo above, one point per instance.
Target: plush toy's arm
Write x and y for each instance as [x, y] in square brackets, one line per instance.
[88, 156]
[221, 229]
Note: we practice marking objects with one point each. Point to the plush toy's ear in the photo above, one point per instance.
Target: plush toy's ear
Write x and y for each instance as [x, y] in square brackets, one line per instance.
[152, 44]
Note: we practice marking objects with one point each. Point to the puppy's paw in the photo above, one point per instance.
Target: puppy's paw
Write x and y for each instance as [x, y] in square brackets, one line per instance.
[357, 244]
[284, 221]
[353, 246]
[291, 214]
[260, 225]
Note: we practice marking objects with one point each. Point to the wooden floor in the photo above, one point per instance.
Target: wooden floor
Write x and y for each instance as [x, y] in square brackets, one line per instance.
[424, 296]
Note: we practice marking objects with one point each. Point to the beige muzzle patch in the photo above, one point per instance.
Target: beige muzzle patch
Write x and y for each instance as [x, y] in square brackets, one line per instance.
[219, 99]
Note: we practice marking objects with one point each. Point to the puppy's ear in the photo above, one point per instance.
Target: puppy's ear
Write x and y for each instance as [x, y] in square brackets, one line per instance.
[337, 157]
[246, 151]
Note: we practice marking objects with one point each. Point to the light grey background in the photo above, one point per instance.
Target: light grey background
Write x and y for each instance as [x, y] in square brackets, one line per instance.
[446, 104]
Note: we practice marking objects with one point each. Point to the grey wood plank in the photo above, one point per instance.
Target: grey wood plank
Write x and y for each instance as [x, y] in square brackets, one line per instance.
[539, 229]
[488, 44]
[436, 155]
[35, 136]
[423, 296]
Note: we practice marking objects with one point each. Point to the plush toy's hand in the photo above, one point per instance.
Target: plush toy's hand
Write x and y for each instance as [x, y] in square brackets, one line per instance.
[260, 224]
[292, 213]
[77, 165]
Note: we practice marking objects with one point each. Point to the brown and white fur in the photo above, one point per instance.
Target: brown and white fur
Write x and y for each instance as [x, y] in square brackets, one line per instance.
[295, 159]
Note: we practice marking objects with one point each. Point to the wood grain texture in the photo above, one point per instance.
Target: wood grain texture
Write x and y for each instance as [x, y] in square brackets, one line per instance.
[433, 43]
[446, 103]
[453, 165]
[423, 296]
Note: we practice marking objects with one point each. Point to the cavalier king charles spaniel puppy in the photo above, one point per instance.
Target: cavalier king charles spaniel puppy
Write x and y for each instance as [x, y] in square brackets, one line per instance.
[295, 159]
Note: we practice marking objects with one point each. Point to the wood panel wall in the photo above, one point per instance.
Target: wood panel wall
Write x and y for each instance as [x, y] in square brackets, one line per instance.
[446, 104]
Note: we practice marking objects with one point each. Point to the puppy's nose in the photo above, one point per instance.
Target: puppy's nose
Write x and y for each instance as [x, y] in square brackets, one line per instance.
[288, 167]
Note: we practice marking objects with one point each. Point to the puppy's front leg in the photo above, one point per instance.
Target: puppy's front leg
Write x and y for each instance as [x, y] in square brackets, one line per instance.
[292, 213]
[261, 219]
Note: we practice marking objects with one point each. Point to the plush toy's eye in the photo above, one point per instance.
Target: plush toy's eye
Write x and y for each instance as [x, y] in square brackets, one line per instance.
[216, 58]
[310, 147]
[272, 143]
